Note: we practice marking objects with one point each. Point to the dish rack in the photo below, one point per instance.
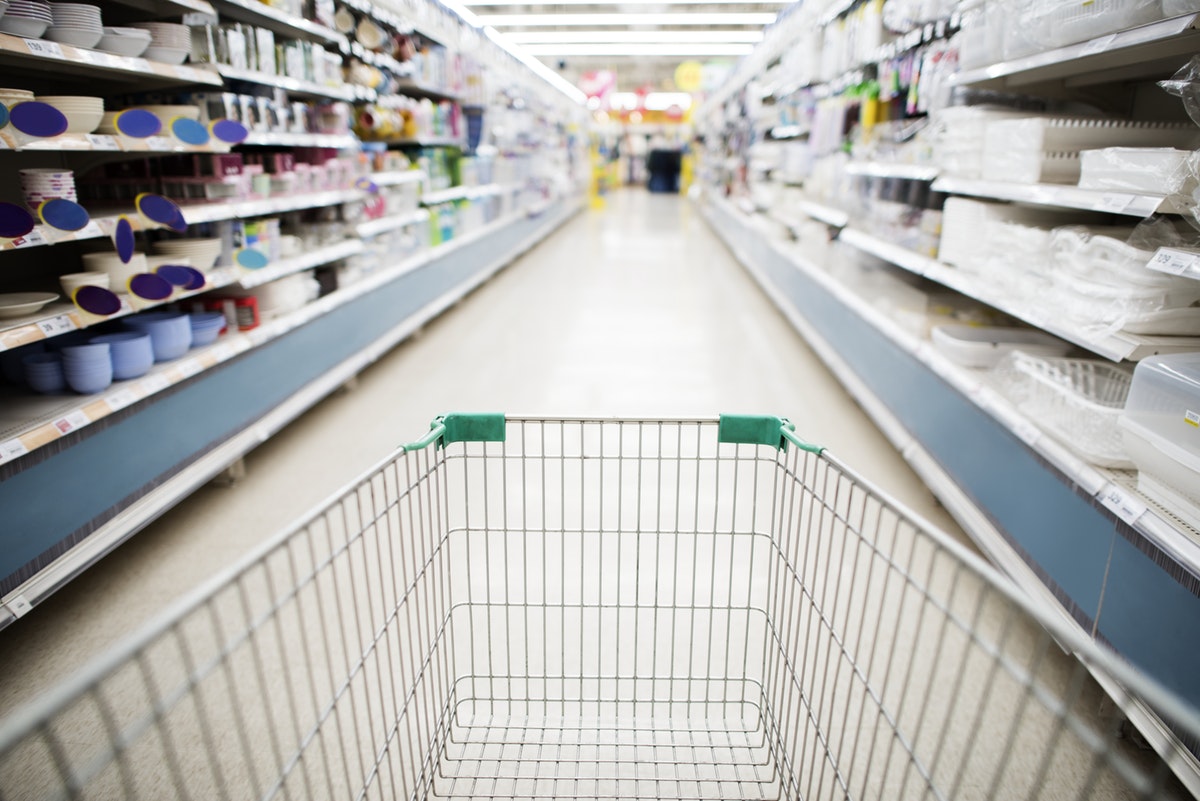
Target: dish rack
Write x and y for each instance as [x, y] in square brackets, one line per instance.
[1077, 401]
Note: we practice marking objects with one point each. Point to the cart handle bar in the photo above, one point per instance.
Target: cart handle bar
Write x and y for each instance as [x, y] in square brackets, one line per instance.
[776, 432]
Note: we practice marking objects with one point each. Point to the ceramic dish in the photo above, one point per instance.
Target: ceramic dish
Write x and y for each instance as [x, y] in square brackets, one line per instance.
[18, 304]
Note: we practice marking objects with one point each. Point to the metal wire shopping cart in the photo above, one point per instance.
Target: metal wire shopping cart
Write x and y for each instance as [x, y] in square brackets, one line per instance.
[520, 608]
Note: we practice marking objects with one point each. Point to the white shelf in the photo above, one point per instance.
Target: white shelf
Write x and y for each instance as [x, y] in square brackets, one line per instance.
[461, 193]
[284, 139]
[290, 25]
[423, 141]
[62, 317]
[347, 92]
[296, 264]
[1110, 488]
[1116, 346]
[1071, 197]
[1146, 50]
[826, 214]
[212, 212]
[397, 177]
[880, 169]
[390, 223]
[80, 62]
[103, 143]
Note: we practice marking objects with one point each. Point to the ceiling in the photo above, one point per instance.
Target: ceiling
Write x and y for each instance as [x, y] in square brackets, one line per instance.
[643, 41]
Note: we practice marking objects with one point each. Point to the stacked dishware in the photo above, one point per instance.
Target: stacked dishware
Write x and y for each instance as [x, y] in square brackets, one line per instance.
[170, 42]
[83, 113]
[27, 18]
[11, 97]
[131, 42]
[87, 368]
[206, 327]
[72, 281]
[203, 253]
[168, 113]
[44, 372]
[170, 333]
[40, 185]
[118, 272]
[132, 353]
[75, 24]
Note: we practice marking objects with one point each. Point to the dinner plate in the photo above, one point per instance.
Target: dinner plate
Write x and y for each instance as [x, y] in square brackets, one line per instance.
[18, 304]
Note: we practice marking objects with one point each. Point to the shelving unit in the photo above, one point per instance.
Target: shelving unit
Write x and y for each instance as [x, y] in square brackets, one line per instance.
[1080, 538]
[284, 365]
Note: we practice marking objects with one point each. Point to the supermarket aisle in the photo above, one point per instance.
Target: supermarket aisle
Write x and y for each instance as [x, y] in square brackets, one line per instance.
[634, 310]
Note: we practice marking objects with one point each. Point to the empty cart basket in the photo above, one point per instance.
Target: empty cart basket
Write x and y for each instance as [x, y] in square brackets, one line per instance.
[618, 609]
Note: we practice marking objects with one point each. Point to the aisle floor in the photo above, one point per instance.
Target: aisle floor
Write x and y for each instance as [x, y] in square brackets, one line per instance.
[633, 310]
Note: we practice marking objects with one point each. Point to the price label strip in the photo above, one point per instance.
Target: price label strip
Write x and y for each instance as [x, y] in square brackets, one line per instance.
[56, 325]
[38, 47]
[1123, 504]
[1176, 262]
[12, 449]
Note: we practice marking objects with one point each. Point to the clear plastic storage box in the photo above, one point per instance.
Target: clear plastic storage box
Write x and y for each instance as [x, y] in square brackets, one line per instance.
[1161, 431]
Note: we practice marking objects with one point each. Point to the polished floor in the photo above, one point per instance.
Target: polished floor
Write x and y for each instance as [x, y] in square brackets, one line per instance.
[633, 310]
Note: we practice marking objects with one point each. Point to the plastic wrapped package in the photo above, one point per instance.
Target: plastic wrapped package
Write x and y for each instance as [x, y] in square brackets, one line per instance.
[1046, 149]
[1161, 431]
[960, 132]
[1173, 8]
[1056, 23]
[1077, 401]
[1149, 170]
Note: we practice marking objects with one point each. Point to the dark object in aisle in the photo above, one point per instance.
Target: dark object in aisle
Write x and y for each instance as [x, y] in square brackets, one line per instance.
[663, 166]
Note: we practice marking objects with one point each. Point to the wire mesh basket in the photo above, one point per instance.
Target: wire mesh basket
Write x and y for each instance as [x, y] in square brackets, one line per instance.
[568, 609]
[1078, 401]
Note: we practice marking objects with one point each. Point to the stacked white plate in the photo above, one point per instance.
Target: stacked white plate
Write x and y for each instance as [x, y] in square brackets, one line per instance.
[28, 18]
[130, 42]
[170, 42]
[75, 24]
[203, 253]
[83, 113]
[40, 185]
[11, 97]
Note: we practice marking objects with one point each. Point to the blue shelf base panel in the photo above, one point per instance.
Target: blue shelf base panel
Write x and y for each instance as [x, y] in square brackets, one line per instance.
[79, 487]
[1115, 590]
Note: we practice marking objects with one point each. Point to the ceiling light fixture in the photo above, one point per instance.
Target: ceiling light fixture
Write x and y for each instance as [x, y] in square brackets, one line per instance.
[633, 37]
[627, 3]
[523, 55]
[685, 50]
[623, 20]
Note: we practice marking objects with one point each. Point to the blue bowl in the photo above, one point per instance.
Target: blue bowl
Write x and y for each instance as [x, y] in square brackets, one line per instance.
[90, 383]
[132, 353]
[170, 333]
[43, 373]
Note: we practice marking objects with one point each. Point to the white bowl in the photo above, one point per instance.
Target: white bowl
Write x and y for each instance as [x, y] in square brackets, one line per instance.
[72, 281]
[166, 55]
[129, 46]
[23, 26]
[118, 273]
[74, 36]
[83, 113]
[154, 262]
[17, 304]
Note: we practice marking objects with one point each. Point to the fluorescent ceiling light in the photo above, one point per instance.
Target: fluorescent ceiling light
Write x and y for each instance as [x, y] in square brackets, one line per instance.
[685, 50]
[655, 101]
[634, 37]
[597, 20]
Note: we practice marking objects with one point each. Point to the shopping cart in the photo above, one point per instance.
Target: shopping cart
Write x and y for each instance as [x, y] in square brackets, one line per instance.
[520, 608]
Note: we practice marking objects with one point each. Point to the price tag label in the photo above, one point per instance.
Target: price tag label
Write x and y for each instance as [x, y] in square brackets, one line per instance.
[222, 352]
[120, 399]
[158, 143]
[32, 239]
[89, 231]
[39, 47]
[56, 325]
[1115, 203]
[103, 142]
[72, 421]
[1122, 503]
[1175, 262]
[11, 449]
[155, 383]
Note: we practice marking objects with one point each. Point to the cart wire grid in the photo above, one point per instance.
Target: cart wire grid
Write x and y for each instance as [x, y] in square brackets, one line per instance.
[517, 608]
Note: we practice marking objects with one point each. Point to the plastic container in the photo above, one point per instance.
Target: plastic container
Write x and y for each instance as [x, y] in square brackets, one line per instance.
[1078, 401]
[1161, 431]
[982, 346]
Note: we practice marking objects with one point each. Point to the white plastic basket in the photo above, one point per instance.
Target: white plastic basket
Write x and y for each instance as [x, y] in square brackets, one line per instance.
[1077, 401]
